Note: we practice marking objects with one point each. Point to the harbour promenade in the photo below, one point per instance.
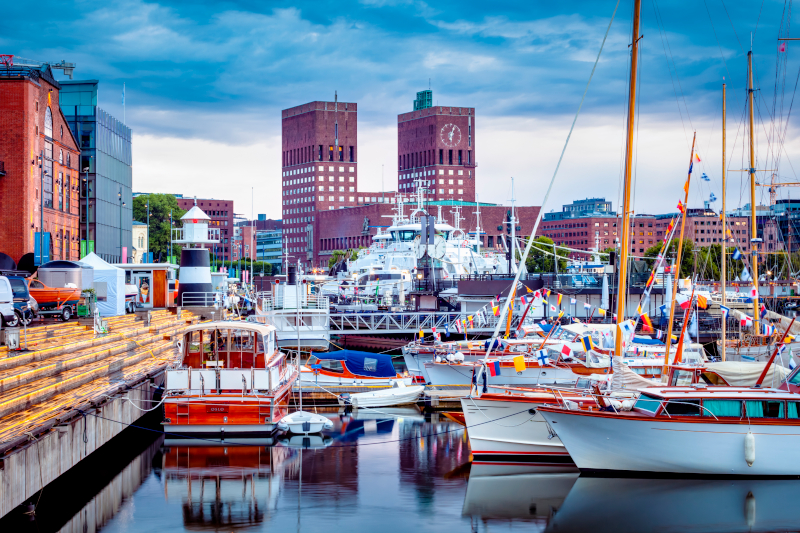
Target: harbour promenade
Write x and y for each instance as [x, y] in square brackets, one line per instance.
[72, 390]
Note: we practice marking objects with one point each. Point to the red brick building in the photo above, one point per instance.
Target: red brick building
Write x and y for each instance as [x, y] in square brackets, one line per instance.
[221, 214]
[437, 146]
[32, 125]
[319, 169]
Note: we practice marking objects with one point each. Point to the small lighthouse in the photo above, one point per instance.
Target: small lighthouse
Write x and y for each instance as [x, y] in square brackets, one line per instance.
[195, 271]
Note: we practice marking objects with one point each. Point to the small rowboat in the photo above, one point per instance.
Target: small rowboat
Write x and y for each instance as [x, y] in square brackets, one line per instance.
[383, 398]
[304, 423]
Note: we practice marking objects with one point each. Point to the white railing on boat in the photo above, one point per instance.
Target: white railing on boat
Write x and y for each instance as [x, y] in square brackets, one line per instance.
[200, 299]
[248, 380]
[268, 302]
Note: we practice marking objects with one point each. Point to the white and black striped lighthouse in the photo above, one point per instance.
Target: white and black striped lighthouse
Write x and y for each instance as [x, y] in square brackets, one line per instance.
[195, 271]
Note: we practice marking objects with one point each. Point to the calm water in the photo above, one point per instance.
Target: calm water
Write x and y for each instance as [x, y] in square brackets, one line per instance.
[390, 471]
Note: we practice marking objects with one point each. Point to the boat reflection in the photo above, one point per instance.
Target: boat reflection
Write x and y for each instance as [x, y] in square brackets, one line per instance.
[697, 505]
[516, 492]
[228, 485]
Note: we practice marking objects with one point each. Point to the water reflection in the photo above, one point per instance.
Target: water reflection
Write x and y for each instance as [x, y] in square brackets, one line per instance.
[698, 505]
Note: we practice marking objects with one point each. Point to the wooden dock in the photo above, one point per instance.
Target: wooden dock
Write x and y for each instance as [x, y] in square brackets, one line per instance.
[69, 393]
[435, 397]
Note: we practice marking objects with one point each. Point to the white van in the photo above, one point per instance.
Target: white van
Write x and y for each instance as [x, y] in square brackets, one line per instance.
[6, 301]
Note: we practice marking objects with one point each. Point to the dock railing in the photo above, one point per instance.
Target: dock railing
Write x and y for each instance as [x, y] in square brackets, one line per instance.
[200, 299]
[267, 302]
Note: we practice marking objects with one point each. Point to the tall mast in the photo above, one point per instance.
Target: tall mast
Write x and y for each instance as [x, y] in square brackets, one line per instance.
[753, 241]
[626, 189]
[724, 227]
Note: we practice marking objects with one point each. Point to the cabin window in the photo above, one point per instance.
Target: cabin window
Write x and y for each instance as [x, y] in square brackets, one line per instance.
[260, 345]
[792, 410]
[370, 364]
[647, 403]
[795, 379]
[194, 342]
[682, 378]
[35, 284]
[722, 408]
[763, 409]
[683, 407]
[333, 366]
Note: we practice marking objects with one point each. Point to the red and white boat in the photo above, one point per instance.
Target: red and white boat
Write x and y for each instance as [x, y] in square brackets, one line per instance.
[231, 379]
[351, 367]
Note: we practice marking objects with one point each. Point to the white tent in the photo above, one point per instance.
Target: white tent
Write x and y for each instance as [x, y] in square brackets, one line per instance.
[109, 284]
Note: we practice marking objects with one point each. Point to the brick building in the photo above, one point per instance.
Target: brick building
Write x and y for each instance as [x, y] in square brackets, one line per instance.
[319, 169]
[41, 161]
[436, 144]
[221, 214]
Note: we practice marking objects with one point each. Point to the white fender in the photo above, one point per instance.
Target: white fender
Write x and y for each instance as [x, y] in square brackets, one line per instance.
[750, 509]
[750, 448]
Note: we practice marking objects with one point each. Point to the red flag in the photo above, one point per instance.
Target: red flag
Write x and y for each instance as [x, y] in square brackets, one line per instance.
[782, 47]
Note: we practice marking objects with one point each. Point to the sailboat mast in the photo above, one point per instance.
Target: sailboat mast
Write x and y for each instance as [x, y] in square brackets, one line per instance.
[724, 279]
[753, 230]
[626, 189]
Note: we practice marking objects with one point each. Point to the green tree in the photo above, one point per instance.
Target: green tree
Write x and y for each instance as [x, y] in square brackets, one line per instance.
[687, 257]
[159, 234]
[337, 254]
[540, 258]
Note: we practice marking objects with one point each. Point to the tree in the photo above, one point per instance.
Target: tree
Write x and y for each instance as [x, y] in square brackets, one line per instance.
[687, 257]
[159, 234]
[540, 258]
[337, 254]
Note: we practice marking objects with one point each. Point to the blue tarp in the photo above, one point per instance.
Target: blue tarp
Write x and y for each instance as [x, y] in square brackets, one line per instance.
[375, 365]
[648, 341]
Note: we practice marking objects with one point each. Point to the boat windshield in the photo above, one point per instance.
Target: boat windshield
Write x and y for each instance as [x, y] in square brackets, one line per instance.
[406, 235]
[647, 403]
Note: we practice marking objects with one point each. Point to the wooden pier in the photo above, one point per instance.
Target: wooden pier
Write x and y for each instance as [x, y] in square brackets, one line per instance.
[71, 391]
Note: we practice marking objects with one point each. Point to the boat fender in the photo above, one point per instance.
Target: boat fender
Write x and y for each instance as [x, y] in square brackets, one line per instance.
[458, 356]
[438, 359]
[750, 509]
[616, 404]
[570, 405]
[750, 448]
[627, 405]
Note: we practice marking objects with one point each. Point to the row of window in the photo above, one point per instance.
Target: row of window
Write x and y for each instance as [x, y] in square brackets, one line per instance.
[428, 157]
[306, 154]
[321, 168]
[414, 175]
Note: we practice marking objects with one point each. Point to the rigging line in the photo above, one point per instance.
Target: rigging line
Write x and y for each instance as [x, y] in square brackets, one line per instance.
[761, 9]
[781, 145]
[552, 180]
[669, 69]
[705, 2]
[732, 26]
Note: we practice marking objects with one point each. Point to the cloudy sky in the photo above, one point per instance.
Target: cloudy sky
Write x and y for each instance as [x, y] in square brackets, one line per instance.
[206, 82]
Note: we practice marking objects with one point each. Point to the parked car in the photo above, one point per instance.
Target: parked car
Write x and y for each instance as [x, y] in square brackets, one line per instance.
[22, 308]
[9, 317]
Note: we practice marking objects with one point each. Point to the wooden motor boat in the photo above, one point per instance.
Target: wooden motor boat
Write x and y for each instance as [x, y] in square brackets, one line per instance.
[231, 379]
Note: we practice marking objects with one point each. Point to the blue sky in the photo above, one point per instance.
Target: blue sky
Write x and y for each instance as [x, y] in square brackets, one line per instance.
[206, 82]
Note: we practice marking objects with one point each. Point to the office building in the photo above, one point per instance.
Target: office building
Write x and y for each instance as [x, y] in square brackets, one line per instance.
[39, 159]
[106, 164]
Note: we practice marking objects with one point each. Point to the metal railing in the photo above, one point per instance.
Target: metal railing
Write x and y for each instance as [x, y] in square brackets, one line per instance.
[200, 299]
[267, 302]
[408, 322]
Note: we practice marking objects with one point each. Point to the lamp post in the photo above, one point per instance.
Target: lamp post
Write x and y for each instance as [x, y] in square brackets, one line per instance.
[147, 205]
[41, 207]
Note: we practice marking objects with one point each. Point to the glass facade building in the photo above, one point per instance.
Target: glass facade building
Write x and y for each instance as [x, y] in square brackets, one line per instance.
[268, 248]
[106, 201]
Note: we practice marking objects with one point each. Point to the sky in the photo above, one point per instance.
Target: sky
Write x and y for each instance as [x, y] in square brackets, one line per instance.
[206, 82]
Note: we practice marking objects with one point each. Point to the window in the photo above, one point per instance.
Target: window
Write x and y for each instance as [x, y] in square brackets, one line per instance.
[763, 409]
[330, 154]
[450, 158]
[460, 191]
[48, 122]
[449, 182]
[460, 182]
[352, 179]
[341, 198]
[647, 403]
[459, 157]
[683, 407]
[370, 364]
[441, 157]
[722, 408]
[352, 157]
[341, 154]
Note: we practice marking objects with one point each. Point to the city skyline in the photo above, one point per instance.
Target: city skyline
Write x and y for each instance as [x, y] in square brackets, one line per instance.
[205, 86]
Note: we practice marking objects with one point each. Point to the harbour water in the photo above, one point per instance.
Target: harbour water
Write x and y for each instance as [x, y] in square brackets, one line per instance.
[393, 469]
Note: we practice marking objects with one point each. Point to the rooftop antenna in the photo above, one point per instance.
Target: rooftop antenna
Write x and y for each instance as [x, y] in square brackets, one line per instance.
[477, 214]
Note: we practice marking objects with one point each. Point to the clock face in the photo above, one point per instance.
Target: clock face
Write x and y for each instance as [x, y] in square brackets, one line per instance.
[450, 135]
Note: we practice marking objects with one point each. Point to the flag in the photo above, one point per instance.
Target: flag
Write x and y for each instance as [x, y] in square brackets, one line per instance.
[725, 311]
[587, 306]
[464, 323]
[537, 295]
[421, 334]
[523, 300]
[683, 301]
[763, 311]
[566, 352]
[704, 177]
[559, 299]
[652, 278]
[647, 323]
[626, 327]
[494, 368]
[573, 301]
[746, 321]
[447, 329]
[541, 355]
[736, 254]
[528, 289]
[712, 198]
[680, 206]
[686, 187]
[659, 334]
[791, 360]
[433, 330]
[458, 326]
[471, 323]
[586, 340]
[519, 363]
[496, 310]
[782, 47]
[548, 293]
[753, 292]
[702, 301]
[553, 308]
[601, 312]
[696, 159]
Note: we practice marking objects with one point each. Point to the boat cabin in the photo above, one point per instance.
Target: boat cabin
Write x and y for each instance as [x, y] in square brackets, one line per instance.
[715, 403]
[215, 353]
[353, 364]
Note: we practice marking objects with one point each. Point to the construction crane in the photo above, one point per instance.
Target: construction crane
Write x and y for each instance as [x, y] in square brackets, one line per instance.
[773, 188]
[9, 61]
